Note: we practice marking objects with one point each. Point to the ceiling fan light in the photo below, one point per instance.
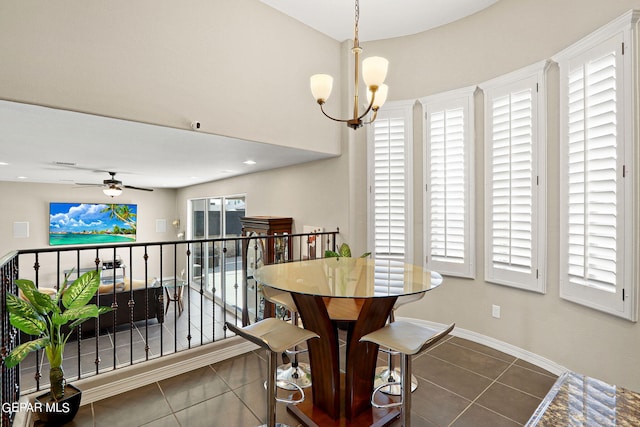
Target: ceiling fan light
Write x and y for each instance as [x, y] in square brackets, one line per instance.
[112, 191]
[321, 86]
[374, 70]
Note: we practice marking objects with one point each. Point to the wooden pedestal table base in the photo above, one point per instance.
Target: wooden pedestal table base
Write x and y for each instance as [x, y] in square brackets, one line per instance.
[342, 399]
[311, 416]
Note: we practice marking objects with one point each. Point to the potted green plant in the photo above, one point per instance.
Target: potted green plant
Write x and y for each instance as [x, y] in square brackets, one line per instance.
[343, 252]
[52, 319]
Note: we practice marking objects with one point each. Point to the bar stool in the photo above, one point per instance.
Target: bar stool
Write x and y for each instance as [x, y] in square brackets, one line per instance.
[407, 339]
[295, 373]
[390, 375]
[275, 336]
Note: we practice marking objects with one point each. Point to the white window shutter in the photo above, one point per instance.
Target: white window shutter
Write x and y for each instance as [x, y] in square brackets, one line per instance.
[448, 175]
[447, 178]
[598, 259]
[512, 182]
[389, 142]
[389, 276]
[592, 174]
[515, 150]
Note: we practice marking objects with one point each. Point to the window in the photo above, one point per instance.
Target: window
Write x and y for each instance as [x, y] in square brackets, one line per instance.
[390, 146]
[448, 177]
[515, 151]
[596, 161]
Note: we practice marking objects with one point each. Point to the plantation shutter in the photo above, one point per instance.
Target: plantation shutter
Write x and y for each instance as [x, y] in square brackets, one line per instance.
[448, 182]
[598, 256]
[388, 277]
[512, 186]
[389, 183]
[512, 181]
[514, 203]
[447, 178]
[592, 174]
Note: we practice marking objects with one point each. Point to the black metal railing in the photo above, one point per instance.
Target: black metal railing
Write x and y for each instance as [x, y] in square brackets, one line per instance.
[10, 387]
[166, 297]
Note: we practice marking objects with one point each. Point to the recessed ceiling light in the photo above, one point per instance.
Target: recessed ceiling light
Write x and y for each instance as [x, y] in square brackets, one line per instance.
[249, 162]
[4, 164]
[22, 177]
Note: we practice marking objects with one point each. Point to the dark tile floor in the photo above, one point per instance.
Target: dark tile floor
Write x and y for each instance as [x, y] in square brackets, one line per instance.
[461, 383]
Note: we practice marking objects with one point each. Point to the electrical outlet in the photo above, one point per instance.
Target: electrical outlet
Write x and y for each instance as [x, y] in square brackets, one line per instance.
[495, 311]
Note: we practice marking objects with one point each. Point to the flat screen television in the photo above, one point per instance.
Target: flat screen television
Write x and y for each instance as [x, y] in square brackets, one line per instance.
[91, 223]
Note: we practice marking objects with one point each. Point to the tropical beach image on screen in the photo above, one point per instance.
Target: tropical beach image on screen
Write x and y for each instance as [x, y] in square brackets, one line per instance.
[91, 223]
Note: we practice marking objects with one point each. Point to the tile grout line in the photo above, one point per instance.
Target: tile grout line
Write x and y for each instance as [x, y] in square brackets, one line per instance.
[164, 396]
[232, 390]
[93, 416]
[467, 369]
[494, 381]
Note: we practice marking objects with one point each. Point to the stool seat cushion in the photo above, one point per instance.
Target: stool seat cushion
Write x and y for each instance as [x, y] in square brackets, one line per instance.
[406, 337]
[273, 334]
[279, 297]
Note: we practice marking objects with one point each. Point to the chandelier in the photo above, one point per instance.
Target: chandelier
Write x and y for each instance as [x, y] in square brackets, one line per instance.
[374, 71]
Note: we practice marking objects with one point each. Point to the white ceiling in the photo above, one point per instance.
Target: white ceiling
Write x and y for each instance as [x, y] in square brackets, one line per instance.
[379, 19]
[46, 145]
[34, 141]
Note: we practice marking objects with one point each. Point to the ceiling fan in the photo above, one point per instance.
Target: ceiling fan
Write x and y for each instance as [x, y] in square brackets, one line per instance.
[113, 187]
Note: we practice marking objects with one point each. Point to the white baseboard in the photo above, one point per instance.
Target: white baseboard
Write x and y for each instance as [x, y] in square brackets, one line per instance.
[502, 346]
[136, 376]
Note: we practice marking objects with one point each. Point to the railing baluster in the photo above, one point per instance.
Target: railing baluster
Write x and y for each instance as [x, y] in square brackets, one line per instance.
[231, 300]
[10, 390]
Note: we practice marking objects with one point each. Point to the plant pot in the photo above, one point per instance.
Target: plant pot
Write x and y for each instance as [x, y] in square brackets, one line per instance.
[52, 413]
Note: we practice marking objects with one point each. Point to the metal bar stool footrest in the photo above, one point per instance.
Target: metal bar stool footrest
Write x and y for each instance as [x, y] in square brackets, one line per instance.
[378, 389]
[407, 339]
[274, 336]
[388, 380]
[287, 385]
[290, 377]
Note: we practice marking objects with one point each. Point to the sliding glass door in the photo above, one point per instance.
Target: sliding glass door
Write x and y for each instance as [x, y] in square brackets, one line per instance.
[215, 265]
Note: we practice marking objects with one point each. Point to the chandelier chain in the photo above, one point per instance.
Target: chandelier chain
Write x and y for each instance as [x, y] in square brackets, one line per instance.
[357, 19]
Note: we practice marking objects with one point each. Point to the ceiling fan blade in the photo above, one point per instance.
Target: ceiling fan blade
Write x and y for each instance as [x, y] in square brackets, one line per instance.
[137, 188]
[88, 184]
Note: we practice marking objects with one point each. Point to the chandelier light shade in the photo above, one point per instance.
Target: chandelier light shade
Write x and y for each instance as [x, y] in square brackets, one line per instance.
[321, 86]
[374, 72]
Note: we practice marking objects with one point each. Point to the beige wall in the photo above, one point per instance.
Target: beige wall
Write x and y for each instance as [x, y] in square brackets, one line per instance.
[25, 202]
[167, 62]
[312, 194]
[239, 67]
[510, 35]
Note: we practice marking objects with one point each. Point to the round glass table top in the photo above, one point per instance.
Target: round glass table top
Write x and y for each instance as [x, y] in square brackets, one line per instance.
[349, 278]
